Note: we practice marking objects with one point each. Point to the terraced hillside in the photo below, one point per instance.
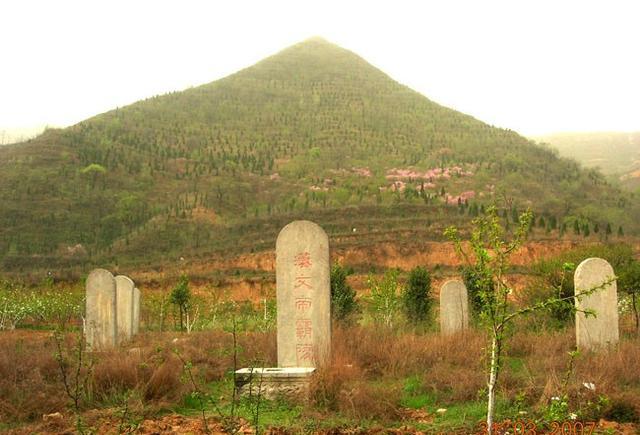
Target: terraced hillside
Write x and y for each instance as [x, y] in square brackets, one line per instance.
[312, 132]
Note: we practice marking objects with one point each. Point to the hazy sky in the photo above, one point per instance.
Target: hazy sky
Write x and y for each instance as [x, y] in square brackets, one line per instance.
[532, 66]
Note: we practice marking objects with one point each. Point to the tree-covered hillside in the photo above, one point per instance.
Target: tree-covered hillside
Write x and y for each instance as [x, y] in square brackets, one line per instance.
[313, 131]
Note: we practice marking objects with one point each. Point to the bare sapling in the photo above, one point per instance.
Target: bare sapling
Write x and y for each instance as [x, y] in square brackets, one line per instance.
[75, 372]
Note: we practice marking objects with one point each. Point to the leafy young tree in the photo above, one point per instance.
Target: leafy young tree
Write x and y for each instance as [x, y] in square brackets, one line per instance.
[384, 297]
[490, 252]
[417, 298]
[343, 297]
[181, 297]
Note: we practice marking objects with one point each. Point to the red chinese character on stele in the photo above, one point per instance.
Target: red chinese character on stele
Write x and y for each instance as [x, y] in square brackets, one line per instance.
[303, 304]
[302, 282]
[304, 352]
[303, 328]
[302, 260]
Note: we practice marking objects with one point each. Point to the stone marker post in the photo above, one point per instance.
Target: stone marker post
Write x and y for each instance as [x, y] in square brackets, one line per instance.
[303, 295]
[136, 310]
[602, 330]
[101, 317]
[124, 305]
[454, 307]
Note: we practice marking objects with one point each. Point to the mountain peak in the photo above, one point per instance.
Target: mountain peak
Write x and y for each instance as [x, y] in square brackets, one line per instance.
[315, 59]
[316, 40]
[316, 45]
[313, 130]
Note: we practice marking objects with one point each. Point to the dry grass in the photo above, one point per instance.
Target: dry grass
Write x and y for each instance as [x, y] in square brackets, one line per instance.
[31, 382]
[364, 380]
[369, 365]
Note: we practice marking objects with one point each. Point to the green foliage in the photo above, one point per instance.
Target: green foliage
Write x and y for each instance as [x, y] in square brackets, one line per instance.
[474, 281]
[385, 299]
[93, 168]
[557, 410]
[621, 411]
[417, 299]
[343, 297]
[181, 295]
[629, 277]
[629, 282]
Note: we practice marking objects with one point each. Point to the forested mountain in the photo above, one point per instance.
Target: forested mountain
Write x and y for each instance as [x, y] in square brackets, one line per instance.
[312, 132]
[617, 154]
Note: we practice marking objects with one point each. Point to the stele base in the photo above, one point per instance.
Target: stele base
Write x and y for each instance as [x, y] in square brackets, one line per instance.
[274, 382]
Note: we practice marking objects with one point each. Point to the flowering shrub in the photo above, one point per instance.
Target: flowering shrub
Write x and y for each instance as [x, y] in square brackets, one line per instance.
[19, 306]
[13, 309]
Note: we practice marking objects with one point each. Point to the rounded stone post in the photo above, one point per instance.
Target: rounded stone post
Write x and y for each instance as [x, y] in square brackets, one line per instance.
[454, 307]
[303, 295]
[124, 305]
[601, 330]
[101, 317]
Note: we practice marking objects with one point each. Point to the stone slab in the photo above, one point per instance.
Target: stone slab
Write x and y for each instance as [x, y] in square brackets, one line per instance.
[100, 310]
[602, 330]
[124, 305]
[303, 295]
[454, 307]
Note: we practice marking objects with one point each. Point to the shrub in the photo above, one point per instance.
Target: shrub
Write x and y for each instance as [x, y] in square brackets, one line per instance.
[343, 297]
[417, 298]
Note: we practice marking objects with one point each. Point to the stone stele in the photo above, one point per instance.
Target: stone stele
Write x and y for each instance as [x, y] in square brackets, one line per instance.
[101, 316]
[601, 330]
[124, 304]
[136, 310]
[454, 307]
[303, 295]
